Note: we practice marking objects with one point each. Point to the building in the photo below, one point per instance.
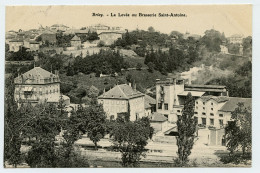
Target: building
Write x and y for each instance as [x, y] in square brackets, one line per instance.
[88, 44]
[207, 108]
[223, 49]
[48, 36]
[15, 45]
[75, 42]
[31, 45]
[158, 122]
[236, 39]
[120, 98]
[213, 106]
[59, 27]
[149, 105]
[38, 85]
[109, 37]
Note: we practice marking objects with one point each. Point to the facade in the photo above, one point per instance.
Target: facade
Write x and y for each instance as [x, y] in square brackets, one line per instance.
[207, 109]
[236, 39]
[15, 45]
[149, 104]
[109, 37]
[212, 108]
[32, 45]
[158, 122]
[38, 85]
[89, 44]
[223, 49]
[75, 41]
[119, 99]
[59, 27]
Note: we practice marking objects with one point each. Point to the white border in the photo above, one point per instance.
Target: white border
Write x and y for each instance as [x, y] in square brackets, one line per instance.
[256, 77]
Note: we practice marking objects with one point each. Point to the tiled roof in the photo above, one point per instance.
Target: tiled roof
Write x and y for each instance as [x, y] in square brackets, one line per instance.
[232, 104]
[157, 117]
[75, 38]
[38, 71]
[121, 92]
[218, 99]
[149, 100]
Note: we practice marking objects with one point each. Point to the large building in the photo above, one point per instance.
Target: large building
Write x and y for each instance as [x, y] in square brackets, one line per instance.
[38, 85]
[15, 45]
[211, 102]
[120, 98]
[75, 42]
[236, 39]
[109, 37]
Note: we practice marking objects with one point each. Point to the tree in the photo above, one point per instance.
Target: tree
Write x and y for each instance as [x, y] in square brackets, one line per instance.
[139, 66]
[150, 67]
[151, 29]
[130, 138]
[186, 126]
[96, 121]
[239, 131]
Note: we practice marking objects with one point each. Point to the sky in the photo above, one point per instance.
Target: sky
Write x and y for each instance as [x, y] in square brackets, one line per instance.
[230, 19]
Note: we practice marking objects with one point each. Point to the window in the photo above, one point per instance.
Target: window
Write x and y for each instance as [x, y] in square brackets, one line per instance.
[159, 106]
[196, 102]
[203, 113]
[220, 122]
[212, 122]
[211, 103]
[196, 107]
[123, 102]
[211, 114]
[179, 111]
[212, 109]
[203, 108]
[165, 106]
[195, 112]
[220, 115]
[203, 103]
[166, 116]
[196, 120]
[203, 120]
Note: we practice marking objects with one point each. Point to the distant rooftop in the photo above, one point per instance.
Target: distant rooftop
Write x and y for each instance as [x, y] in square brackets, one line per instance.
[157, 117]
[123, 91]
[75, 38]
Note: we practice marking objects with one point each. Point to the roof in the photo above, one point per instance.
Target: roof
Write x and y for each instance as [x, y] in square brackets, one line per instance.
[38, 71]
[157, 117]
[209, 88]
[149, 99]
[111, 32]
[75, 38]
[218, 99]
[232, 104]
[123, 91]
[193, 93]
[16, 40]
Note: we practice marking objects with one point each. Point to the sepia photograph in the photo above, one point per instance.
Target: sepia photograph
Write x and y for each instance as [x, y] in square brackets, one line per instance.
[128, 86]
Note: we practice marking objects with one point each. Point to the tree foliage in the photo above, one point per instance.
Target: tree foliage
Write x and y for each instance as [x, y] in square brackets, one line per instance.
[186, 126]
[239, 131]
[130, 138]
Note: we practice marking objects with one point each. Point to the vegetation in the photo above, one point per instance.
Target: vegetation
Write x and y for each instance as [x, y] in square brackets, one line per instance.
[130, 138]
[238, 84]
[186, 126]
[239, 131]
[21, 55]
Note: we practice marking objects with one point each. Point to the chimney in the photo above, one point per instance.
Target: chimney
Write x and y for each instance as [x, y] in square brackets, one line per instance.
[130, 84]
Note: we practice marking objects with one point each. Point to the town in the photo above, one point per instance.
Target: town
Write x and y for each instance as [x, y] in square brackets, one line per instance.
[87, 90]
